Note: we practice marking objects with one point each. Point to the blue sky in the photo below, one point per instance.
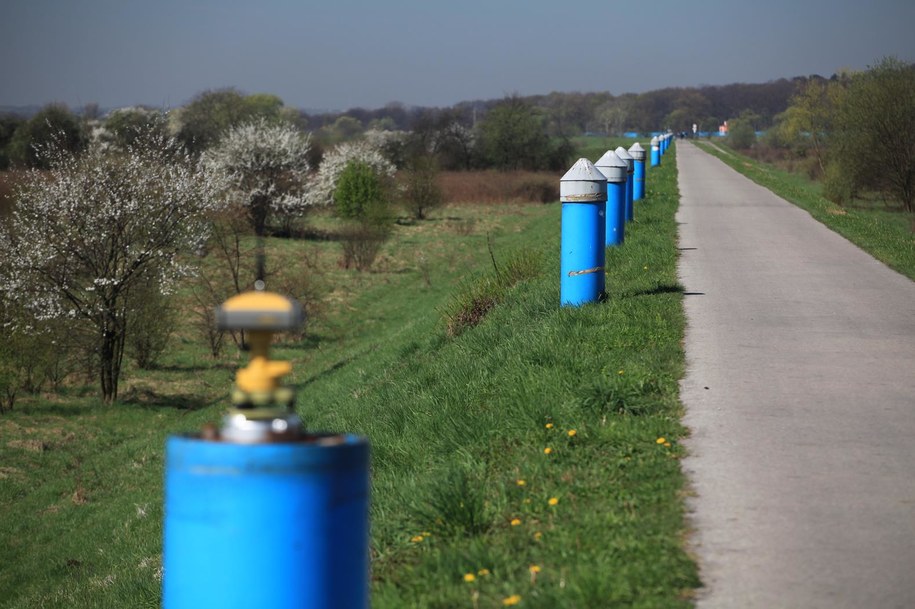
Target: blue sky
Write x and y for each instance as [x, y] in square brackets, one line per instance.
[337, 54]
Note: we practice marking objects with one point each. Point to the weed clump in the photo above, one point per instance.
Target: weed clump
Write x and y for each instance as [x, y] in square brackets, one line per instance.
[475, 298]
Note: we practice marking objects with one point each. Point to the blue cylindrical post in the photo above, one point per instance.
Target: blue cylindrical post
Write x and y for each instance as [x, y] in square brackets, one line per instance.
[615, 170]
[655, 151]
[282, 525]
[583, 192]
[630, 162]
[638, 174]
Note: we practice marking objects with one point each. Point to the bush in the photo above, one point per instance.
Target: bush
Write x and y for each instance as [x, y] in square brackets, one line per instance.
[360, 193]
[421, 190]
[838, 184]
[149, 329]
[361, 244]
[741, 134]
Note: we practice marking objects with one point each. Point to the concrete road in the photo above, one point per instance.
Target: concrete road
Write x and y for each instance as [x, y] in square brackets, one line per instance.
[800, 394]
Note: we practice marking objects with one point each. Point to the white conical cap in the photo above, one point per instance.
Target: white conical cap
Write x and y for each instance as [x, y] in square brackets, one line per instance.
[637, 152]
[654, 142]
[624, 154]
[583, 183]
[612, 166]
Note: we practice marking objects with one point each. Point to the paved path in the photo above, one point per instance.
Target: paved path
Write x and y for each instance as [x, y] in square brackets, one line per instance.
[800, 394]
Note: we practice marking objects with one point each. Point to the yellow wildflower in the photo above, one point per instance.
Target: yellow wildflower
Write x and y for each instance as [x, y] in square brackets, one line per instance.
[470, 578]
[553, 500]
[483, 572]
[417, 538]
[620, 372]
[667, 444]
[534, 568]
[515, 522]
[520, 482]
[537, 535]
[426, 534]
[549, 426]
[661, 440]
[572, 433]
[514, 599]
[547, 450]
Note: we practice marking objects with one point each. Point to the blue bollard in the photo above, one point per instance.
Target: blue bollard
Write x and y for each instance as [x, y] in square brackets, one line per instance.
[638, 175]
[630, 162]
[655, 151]
[615, 170]
[583, 193]
[282, 525]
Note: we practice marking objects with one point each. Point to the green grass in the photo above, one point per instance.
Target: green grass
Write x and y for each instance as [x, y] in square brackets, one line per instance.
[454, 424]
[887, 234]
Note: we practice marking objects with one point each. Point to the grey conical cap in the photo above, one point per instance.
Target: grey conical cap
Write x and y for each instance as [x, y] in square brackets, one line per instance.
[583, 183]
[613, 167]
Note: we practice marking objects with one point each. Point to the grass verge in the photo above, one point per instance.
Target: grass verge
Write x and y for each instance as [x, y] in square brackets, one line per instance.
[888, 235]
[469, 508]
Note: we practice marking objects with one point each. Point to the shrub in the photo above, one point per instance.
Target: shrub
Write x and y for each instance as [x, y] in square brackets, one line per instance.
[361, 244]
[421, 190]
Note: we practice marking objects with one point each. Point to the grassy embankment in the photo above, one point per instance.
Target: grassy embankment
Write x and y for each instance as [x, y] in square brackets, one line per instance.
[884, 231]
[456, 423]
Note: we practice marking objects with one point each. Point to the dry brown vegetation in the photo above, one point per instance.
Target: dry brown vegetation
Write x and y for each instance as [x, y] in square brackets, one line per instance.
[500, 186]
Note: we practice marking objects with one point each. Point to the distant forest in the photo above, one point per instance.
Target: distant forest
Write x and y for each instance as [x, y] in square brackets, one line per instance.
[570, 114]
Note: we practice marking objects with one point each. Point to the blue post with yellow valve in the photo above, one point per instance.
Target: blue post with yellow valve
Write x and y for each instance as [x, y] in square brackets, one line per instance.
[260, 512]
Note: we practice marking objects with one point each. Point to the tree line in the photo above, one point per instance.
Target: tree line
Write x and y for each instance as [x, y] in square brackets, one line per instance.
[855, 132]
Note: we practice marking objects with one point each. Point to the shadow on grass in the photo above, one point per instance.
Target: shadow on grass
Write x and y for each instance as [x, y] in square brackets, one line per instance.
[147, 398]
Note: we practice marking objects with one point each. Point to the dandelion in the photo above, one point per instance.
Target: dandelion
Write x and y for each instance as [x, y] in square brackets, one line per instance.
[620, 372]
[515, 522]
[667, 445]
[426, 534]
[514, 599]
[549, 426]
[520, 482]
[483, 572]
[470, 578]
[553, 500]
[661, 440]
[572, 433]
[534, 568]
[547, 450]
[537, 535]
[417, 539]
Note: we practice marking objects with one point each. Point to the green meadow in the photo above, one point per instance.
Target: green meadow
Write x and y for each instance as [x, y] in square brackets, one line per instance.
[522, 453]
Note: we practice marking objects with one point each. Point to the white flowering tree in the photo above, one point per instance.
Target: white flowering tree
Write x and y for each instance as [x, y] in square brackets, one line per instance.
[263, 167]
[97, 229]
[322, 190]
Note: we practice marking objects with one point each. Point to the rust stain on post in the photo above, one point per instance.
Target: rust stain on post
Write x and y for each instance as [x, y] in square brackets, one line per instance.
[596, 269]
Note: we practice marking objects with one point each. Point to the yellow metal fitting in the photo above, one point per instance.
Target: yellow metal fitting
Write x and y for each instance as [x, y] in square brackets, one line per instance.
[261, 314]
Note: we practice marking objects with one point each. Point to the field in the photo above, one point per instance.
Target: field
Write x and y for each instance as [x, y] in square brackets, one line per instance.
[463, 483]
